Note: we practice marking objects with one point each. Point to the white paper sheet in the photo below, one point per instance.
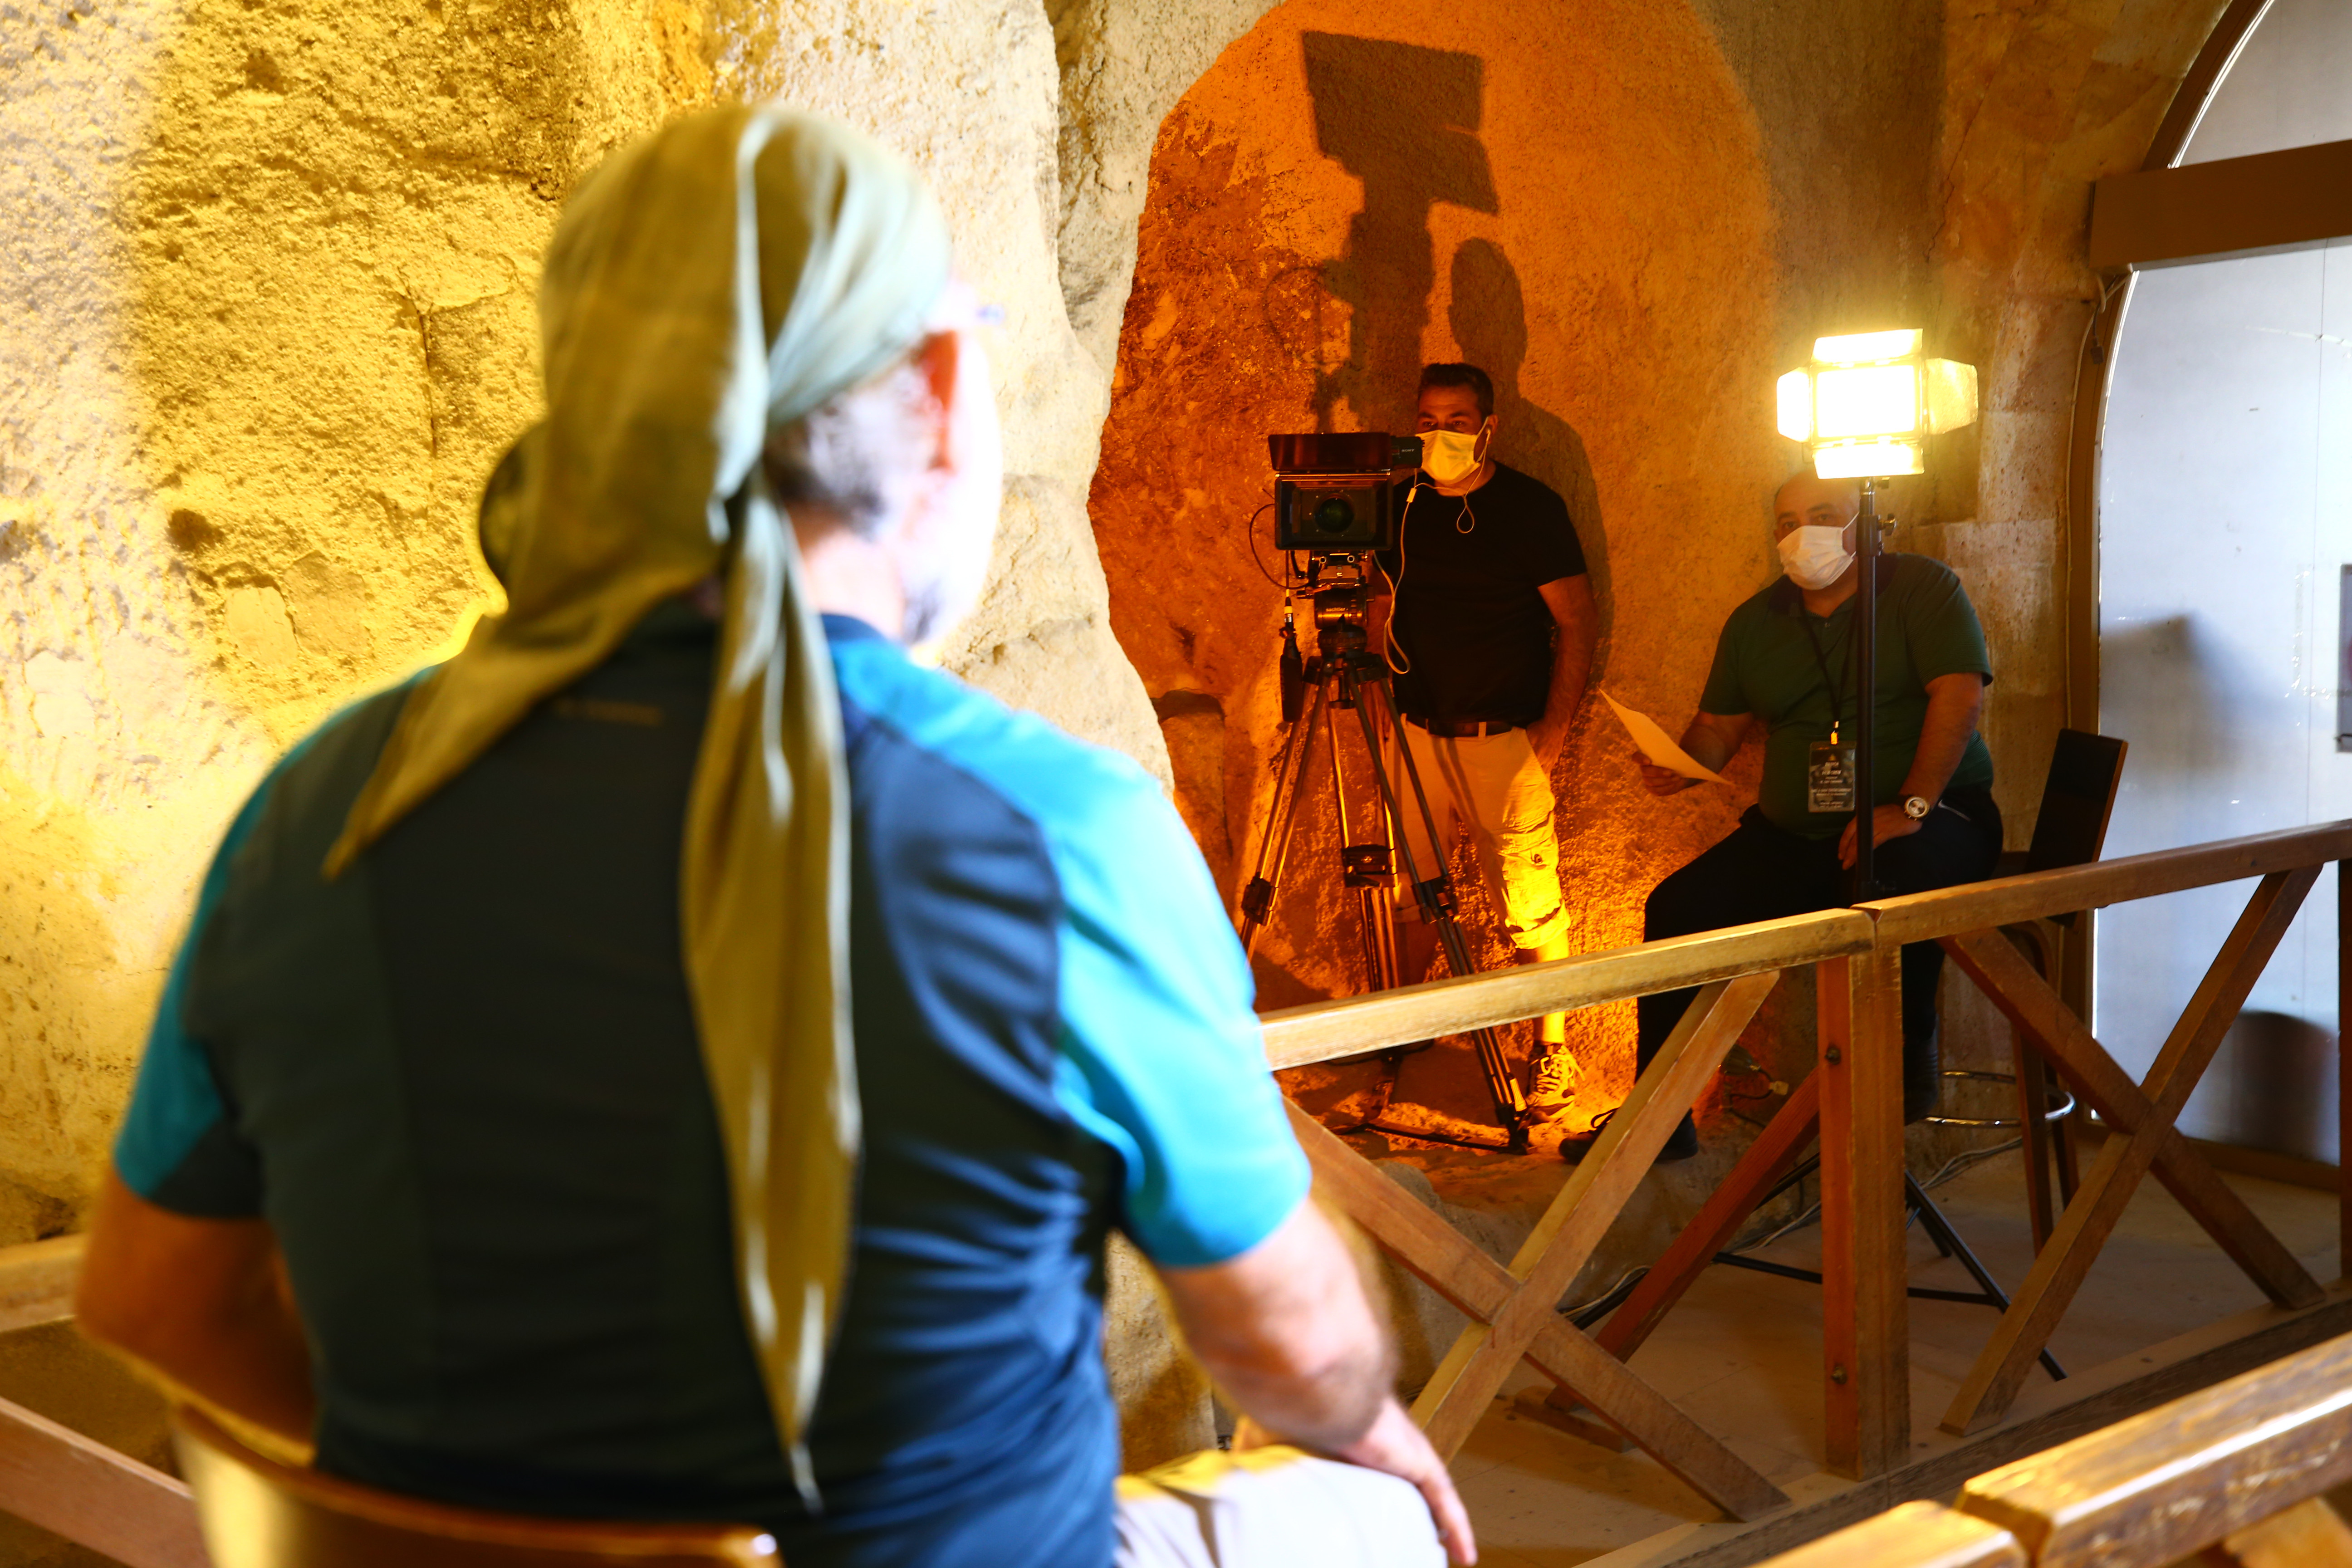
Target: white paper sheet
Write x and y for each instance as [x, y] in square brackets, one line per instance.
[1658, 746]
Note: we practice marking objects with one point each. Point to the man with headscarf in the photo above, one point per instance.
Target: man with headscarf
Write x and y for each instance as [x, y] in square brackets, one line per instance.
[681, 1059]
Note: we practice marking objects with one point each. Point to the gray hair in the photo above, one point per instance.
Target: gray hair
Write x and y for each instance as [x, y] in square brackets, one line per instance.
[853, 453]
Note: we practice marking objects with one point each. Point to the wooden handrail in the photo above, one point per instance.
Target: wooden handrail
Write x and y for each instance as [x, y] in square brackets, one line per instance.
[36, 1281]
[1322, 1031]
[2006, 900]
[2167, 1484]
[2221, 1466]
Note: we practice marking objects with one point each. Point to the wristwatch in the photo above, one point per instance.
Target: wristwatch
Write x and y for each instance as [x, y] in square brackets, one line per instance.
[1917, 806]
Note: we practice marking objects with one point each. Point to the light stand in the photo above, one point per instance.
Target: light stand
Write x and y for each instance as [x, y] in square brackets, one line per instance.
[1866, 688]
[1863, 409]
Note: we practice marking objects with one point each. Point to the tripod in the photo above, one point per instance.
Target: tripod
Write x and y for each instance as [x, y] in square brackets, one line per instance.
[1346, 676]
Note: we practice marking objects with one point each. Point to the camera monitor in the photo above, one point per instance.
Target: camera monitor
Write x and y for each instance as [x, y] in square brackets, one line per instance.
[1336, 492]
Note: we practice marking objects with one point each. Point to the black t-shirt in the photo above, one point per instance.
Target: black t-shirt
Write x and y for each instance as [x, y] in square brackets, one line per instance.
[1467, 615]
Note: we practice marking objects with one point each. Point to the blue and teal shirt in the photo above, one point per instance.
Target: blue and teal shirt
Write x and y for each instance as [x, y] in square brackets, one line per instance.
[462, 1084]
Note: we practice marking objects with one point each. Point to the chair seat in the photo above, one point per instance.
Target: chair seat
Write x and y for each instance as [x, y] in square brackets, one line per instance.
[258, 1513]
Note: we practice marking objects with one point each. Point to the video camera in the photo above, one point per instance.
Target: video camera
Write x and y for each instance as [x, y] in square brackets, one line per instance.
[1335, 493]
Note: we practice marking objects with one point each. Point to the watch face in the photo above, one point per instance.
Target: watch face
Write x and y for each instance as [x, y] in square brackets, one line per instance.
[1916, 807]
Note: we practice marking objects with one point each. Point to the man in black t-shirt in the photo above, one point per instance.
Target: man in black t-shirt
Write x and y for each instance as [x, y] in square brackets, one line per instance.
[1491, 631]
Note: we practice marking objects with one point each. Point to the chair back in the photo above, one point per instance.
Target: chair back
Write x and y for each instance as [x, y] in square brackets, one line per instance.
[258, 1513]
[2077, 798]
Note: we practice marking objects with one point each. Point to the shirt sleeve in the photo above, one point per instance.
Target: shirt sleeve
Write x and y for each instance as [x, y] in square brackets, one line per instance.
[1945, 637]
[1554, 552]
[1725, 694]
[1160, 1055]
[178, 1147]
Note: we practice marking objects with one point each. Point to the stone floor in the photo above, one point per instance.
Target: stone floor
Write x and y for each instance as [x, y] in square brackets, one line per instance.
[1742, 1355]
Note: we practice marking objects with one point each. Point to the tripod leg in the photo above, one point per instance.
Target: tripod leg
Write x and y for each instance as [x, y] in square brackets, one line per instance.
[1371, 902]
[1503, 1087]
[1274, 849]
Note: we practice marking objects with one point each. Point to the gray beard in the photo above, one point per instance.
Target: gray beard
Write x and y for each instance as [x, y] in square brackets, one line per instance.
[927, 613]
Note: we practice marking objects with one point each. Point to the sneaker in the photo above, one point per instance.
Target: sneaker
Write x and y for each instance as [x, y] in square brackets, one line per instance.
[1555, 1083]
[1680, 1143]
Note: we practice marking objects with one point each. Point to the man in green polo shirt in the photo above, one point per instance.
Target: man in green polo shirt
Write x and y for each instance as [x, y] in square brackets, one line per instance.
[1785, 662]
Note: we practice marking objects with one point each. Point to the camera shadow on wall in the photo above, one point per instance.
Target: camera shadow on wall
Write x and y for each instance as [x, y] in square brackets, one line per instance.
[1404, 121]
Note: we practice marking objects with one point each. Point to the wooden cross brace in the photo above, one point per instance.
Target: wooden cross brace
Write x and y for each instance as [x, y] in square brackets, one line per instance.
[1515, 1312]
[2143, 1114]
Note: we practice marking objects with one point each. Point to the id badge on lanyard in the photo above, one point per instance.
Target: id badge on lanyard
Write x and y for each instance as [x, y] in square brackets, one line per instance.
[1829, 765]
[1829, 774]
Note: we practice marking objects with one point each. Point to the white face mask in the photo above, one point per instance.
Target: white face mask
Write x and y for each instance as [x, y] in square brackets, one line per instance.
[1815, 555]
[1450, 457]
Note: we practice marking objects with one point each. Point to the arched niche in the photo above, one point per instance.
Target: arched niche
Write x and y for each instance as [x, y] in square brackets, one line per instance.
[1352, 190]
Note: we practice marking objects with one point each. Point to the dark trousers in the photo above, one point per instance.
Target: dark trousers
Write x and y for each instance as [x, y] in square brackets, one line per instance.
[1762, 873]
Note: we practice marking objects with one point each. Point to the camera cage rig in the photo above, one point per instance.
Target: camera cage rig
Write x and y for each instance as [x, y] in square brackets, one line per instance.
[1336, 491]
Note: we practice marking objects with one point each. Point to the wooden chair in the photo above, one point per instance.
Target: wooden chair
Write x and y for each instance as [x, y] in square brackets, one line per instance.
[2078, 798]
[258, 1513]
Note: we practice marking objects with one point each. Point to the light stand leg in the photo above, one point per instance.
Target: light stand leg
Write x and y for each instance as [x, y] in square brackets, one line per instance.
[1365, 868]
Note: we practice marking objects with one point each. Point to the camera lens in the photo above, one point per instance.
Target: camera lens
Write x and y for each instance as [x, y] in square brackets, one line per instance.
[1334, 516]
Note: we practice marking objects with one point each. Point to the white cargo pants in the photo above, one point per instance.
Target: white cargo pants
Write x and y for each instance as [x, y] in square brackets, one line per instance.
[1272, 1508]
[1497, 787]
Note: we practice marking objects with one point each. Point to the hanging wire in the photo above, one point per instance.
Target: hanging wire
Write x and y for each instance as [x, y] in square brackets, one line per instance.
[1250, 528]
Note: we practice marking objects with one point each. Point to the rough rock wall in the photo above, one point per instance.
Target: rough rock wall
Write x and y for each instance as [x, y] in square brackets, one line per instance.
[2041, 99]
[1585, 209]
[269, 270]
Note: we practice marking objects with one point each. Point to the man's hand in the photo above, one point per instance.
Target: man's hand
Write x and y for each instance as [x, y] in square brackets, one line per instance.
[1396, 1446]
[1662, 781]
[1887, 824]
[1288, 1334]
[1711, 742]
[1548, 739]
[1576, 623]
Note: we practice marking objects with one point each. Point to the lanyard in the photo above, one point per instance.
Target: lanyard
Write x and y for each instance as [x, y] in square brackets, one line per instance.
[1837, 694]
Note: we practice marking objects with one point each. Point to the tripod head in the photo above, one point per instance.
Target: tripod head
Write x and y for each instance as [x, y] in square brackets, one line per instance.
[1340, 583]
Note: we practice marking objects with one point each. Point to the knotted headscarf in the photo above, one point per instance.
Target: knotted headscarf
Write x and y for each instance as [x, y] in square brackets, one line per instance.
[707, 284]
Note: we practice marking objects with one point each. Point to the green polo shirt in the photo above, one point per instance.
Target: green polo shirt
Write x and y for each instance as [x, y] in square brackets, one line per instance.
[1765, 666]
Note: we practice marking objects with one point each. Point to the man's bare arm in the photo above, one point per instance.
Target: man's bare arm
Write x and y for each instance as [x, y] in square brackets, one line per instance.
[1288, 1334]
[1955, 703]
[202, 1303]
[1712, 740]
[1577, 621]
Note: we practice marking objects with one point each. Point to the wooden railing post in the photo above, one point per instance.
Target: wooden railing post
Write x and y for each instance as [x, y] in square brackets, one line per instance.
[1866, 1327]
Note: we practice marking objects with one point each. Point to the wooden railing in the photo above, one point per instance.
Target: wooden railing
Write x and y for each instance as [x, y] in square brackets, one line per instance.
[1852, 1106]
[2232, 1476]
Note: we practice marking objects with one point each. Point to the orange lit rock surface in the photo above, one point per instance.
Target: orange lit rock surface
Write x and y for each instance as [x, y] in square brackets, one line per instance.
[1582, 210]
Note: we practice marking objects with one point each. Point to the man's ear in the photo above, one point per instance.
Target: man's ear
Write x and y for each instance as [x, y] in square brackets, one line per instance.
[938, 359]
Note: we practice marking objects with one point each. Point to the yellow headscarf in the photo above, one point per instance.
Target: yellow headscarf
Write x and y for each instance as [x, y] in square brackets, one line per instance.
[720, 277]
